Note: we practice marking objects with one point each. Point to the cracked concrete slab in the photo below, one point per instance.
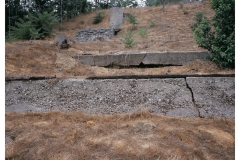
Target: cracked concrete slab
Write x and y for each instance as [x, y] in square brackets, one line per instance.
[135, 58]
[161, 96]
[173, 58]
[214, 96]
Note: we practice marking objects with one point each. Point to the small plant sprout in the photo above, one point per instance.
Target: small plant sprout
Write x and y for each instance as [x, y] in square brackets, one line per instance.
[128, 39]
[152, 23]
[142, 32]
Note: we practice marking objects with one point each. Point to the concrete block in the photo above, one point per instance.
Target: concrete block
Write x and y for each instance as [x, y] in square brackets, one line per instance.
[127, 59]
[102, 60]
[116, 17]
[214, 96]
[162, 96]
[173, 58]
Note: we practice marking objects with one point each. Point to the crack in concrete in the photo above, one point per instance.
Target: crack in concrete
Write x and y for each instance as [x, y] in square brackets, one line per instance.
[193, 100]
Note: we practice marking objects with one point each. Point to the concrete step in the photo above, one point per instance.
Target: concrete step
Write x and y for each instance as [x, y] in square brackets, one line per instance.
[135, 58]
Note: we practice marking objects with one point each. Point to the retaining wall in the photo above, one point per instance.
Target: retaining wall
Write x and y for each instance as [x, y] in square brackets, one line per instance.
[94, 34]
[190, 97]
[135, 58]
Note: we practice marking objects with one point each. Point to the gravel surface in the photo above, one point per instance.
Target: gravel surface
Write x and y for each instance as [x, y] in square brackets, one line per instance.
[171, 97]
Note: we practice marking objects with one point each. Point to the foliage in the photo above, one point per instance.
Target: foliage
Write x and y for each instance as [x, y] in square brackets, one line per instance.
[35, 27]
[128, 39]
[132, 19]
[98, 17]
[185, 12]
[142, 32]
[127, 3]
[159, 2]
[15, 9]
[220, 40]
[181, 6]
[152, 23]
[198, 17]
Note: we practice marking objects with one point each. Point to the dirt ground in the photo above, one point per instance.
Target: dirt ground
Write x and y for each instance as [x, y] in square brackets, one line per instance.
[172, 32]
[73, 136]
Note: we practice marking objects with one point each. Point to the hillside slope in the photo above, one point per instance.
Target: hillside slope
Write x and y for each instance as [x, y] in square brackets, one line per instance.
[171, 33]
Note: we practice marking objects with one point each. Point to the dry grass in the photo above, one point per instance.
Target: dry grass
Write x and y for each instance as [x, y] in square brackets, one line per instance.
[171, 33]
[57, 135]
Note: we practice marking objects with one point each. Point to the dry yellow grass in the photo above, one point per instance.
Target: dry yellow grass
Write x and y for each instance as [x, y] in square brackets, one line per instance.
[171, 33]
[70, 136]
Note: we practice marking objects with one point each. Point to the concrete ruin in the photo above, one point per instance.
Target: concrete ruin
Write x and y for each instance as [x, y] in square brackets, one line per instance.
[90, 34]
[136, 58]
[205, 97]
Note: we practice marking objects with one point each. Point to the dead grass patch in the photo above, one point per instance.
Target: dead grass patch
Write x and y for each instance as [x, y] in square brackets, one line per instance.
[58, 135]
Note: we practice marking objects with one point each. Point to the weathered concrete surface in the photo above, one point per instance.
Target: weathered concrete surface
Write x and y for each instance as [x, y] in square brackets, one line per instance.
[163, 96]
[173, 58]
[116, 17]
[215, 97]
[84, 59]
[208, 97]
[135, 58]
[94, 34]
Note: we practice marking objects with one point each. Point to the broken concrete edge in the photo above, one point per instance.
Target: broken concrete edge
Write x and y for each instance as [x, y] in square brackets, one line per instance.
[158, 76]
[135, 58]
[213, 97]
[27, 78]
[36, 78]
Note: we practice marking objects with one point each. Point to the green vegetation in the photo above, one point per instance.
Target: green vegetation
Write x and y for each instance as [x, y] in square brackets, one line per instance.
[36, 26]
[132, 19]
[185, 12]
[181, 6]
[219, 36]
[142, 32]
[128, 39]
[152, 23]
[98, 17]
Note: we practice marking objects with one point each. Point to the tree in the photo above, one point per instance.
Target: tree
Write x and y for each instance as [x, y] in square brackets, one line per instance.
[219, 36]
[36, 26]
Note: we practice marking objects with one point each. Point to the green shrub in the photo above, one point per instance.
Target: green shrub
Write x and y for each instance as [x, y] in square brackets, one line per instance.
[181, 6]
[98, 17]
[220, 40]
[142, 32]
[198, 17]
[36, 26]
[132, 19]
[152, 23]
[185, 12]
[128, 39]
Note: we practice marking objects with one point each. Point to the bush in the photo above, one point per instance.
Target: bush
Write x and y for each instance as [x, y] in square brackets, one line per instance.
[181, 6]
[220, 40]
[128, 39]
[35, 27]
[152, 23]
[98, 17]
[198, 19]
[132, 19]
[185, 12]
[142, 32]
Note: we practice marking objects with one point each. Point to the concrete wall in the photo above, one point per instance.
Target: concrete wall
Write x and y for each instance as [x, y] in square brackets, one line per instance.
[94, 34]
[135, 58]
[116, 17]
[202, 97]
